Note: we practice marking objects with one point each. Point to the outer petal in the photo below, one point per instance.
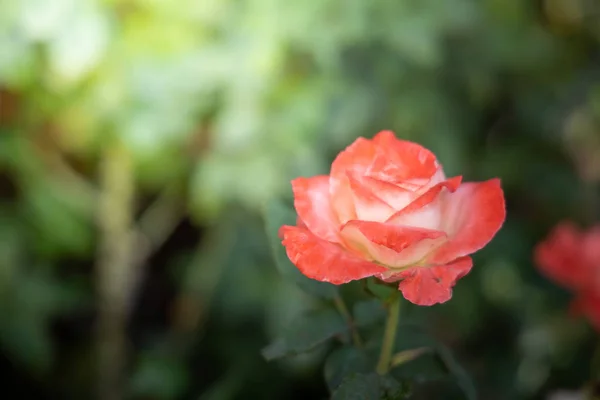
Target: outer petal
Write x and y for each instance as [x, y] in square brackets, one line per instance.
[471, 216]
[322, 260]
[392, 245]
[311, 200]
[425, 211]
[559, 256]
[426, 286]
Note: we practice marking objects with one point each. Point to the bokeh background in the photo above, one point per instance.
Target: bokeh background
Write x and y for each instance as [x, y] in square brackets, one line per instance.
[140, 139]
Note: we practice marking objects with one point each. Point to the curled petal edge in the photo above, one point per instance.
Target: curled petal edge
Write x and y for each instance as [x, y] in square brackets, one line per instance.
[322, 260]
[426, 286]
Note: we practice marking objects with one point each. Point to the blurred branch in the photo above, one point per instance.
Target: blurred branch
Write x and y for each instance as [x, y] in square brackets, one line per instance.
[200, 283]
[115, 220]
[154, 227]
[161, 218]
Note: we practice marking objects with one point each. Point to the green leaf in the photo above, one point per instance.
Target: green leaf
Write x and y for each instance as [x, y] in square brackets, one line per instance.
[59, 227]
[346, 361]
[368, 312]
[159, 377]
[426, 368]
[227, 387]
[437, 365]
[370, 387]
[278, 214]
[461, 376]
[411, 336]
[307, 332]
[28, 341]
[275, 350]
[313, 328]
[358, 387]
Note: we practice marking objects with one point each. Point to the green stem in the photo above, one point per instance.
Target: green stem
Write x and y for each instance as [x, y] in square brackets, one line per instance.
[389, 336]
[341, 307]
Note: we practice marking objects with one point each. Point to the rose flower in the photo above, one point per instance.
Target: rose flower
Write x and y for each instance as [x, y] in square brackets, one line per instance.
[387, 210]
[571, 258]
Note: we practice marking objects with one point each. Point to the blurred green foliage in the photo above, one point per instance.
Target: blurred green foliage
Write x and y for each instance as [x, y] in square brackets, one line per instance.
[217, 105]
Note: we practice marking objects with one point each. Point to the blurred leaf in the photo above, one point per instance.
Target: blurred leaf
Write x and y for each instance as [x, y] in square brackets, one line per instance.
[370, 387]
[369, 312]
[427, 368]
[458, 372]
[275, 350]
[59, 228]
[359, 387]
[26, 310]
[346, 361]
[437, 365]
[27, 341]
[278, 214]
[313, 328]
[306, 332]
[227, 387]
[159, 377]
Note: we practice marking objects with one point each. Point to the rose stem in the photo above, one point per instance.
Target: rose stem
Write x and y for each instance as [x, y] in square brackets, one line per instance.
[341, 307]
[389, 335]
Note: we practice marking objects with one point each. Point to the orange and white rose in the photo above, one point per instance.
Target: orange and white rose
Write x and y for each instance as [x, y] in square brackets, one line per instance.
[388, 210]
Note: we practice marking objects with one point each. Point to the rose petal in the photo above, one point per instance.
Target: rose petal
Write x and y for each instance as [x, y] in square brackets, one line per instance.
[411, 160]
[356, 158]
[426, 286]
[406, 164]
[300, 223]
[425, 211]
[396, 196]
[368, 205]
[559, 256]
[322, 260]
[471, 216]
[311, 200]
[438, 177]
[392, 245]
